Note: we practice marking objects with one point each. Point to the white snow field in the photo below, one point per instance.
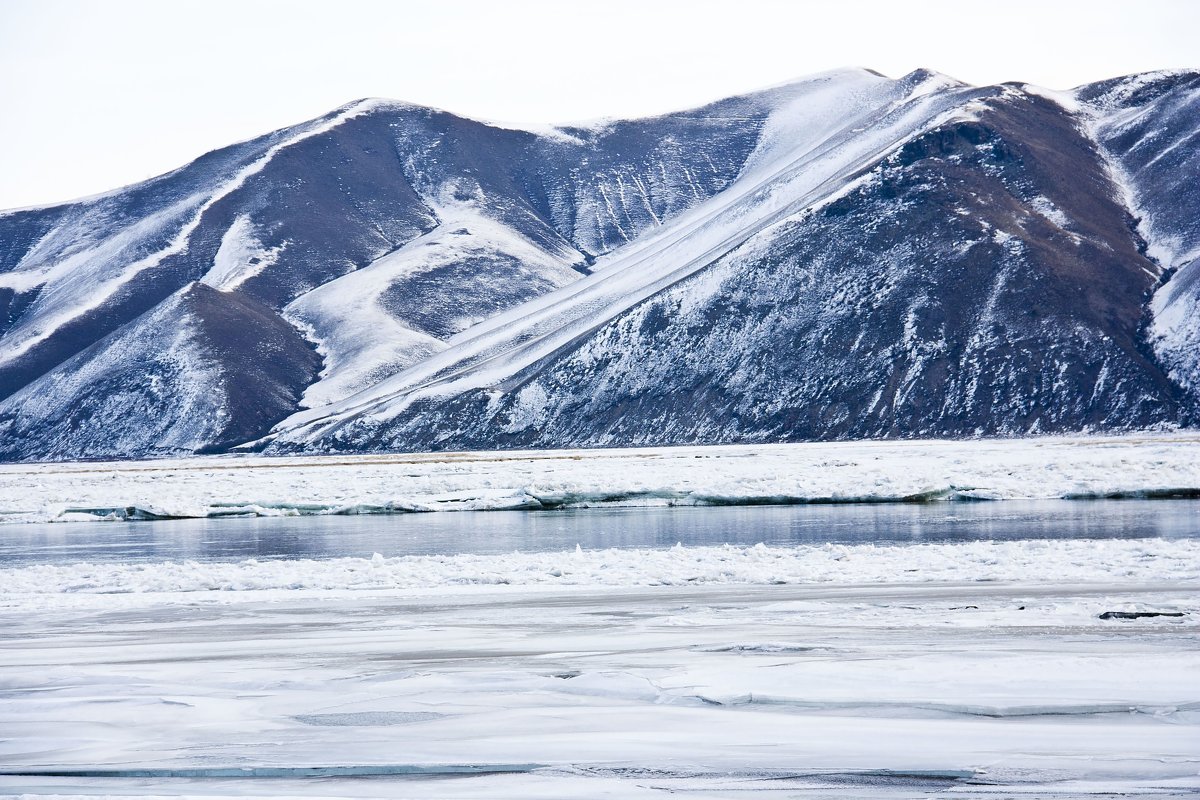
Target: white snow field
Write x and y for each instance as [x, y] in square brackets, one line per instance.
[960, 670]
[1148, 465]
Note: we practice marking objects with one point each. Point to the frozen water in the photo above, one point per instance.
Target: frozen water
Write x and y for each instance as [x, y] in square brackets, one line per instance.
[484, 533]
[840, 651]
[1008, 686]
[876, 671]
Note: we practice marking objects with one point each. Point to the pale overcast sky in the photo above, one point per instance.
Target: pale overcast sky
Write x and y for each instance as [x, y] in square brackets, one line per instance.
[97, 94]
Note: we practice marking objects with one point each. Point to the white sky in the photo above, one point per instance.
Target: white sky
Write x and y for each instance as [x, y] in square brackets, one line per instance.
[100, 94]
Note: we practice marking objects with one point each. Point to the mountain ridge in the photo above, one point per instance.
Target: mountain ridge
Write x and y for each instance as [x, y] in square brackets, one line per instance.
[394, 238]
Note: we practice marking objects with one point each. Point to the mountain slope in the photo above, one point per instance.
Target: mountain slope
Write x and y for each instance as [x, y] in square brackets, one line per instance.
[979, 277]
[177, 379]
[319, 223]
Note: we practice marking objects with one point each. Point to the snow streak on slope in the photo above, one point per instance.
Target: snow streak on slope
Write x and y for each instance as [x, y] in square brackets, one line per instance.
[240, 257]
[91, 281]
[1176, 329]
[838, 125]
[64, 257]
[623, 186]
[376, 321]
[1146, 125]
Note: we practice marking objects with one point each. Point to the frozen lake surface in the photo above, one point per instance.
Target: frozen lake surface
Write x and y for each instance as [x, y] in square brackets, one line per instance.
[1020, 648]
[316, 537]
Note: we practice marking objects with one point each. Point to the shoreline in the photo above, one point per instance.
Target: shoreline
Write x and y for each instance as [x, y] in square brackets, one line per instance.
[1142, 466]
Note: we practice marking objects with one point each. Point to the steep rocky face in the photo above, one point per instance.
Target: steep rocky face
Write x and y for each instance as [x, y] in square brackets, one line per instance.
[1147, 124]
[601, 188]
[844, 256]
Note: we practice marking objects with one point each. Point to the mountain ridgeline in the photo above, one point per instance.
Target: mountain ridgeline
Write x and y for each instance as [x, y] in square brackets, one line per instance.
[845, 256]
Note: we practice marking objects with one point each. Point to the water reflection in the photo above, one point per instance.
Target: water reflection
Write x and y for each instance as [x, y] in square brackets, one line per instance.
[504, 531]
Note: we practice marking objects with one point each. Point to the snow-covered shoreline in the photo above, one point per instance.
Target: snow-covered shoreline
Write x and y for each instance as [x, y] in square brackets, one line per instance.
[1146, 465]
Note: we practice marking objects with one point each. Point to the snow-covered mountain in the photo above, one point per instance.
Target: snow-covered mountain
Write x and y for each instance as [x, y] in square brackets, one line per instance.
[843, 256]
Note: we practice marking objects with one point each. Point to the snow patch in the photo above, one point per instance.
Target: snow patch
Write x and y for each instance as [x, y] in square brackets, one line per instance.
[1065, 100]
[240, 257]
[1043, 205]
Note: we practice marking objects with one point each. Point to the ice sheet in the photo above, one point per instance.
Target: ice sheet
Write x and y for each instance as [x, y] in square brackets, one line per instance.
[926, 682]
